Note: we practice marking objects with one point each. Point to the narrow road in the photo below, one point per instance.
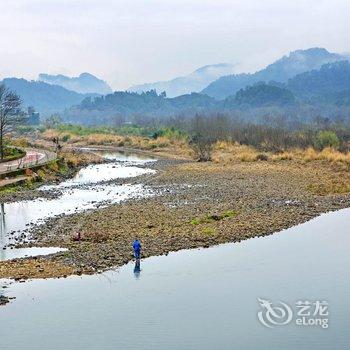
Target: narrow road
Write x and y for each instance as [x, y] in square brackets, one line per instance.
[32, 158]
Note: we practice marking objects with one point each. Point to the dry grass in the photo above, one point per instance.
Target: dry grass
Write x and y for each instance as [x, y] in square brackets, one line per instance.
[332, 186]
[75, 159]
[17, 142]
[168, 145]
[226, 152]
[328, 154]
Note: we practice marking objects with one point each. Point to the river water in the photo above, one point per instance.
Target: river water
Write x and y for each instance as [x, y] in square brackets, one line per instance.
[195, 299]
[192, 299]
[87, 190]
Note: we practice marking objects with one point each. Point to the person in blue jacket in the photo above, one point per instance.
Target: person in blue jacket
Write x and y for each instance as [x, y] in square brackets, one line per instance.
[137, 248]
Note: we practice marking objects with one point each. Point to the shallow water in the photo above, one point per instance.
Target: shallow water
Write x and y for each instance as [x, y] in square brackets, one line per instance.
[17, 253]
[85, 191]
[197, 299]
[123, 166]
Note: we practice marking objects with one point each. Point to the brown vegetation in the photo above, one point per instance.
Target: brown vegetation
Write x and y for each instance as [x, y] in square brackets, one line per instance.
[165, 145]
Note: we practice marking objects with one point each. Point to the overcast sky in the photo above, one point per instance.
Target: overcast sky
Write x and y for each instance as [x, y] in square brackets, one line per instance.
[133, 41]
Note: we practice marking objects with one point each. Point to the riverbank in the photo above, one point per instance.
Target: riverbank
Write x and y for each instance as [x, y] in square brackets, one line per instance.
[65, 167]
[195, 205]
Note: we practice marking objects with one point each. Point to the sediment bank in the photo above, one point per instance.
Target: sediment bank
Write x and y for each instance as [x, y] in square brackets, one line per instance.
[194, 205]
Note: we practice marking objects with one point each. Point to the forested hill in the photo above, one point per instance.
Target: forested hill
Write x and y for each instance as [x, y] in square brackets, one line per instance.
[330, 79]
[123, 103]
[330, 85]
[261, 95]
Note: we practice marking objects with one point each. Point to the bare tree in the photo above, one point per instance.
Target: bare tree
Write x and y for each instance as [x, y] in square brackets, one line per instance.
[10, 114]
[202, 138]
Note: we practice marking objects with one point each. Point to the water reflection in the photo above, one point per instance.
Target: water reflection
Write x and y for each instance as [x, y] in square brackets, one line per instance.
[137, 268]
[84, 191]
[2, 225]
[20, 215]
[199, 299]
[3, 297]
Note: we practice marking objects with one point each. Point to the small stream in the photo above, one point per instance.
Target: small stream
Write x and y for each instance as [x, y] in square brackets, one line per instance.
[87, 190]
[194, 299]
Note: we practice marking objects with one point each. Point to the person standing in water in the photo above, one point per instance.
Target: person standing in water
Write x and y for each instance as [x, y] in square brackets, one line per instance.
[137, 249]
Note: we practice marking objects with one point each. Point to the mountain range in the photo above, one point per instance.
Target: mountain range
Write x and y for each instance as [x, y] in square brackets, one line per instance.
[85, 83]
[296, 62]
[305, 93]
[47, 99]
[304, 77]
[194, 82]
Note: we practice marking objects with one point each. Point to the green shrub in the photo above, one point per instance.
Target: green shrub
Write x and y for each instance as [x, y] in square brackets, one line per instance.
[213, 217]
[230, 214]
[65, 137]
[195, 222]
[209, 231]
[325, 139]
[41, 174]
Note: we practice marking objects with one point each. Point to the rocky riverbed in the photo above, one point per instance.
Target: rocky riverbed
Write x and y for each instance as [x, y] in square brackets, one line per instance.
[194, 205]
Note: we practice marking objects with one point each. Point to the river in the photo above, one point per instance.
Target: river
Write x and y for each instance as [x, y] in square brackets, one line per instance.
[196, 299]
[88, 189]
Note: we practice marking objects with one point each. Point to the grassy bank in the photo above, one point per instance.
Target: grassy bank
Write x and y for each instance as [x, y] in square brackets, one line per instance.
[12, 153]
[167, 141]
[174, 144]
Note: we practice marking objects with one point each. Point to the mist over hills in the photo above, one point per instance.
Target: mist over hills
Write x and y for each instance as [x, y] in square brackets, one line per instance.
[296, 62]
[296, 81]
[261, 95]
[122, 104]
[303, 94]
[47, 99]
[85, 83]
[194, 82]
[330, 78]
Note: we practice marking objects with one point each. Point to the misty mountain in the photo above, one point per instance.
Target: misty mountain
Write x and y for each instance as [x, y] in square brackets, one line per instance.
[338, 99]
[47, 99]
[283, 69]
[194, 82]
[85, 83]
[331, 78]
[261, 95]
[328, 86]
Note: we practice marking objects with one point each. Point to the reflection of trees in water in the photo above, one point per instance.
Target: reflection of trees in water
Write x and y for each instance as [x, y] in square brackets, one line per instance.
[3, 298]
[2, 231]
[2, 213]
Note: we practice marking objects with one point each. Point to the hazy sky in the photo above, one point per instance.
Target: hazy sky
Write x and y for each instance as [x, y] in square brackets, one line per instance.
[134, 41]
